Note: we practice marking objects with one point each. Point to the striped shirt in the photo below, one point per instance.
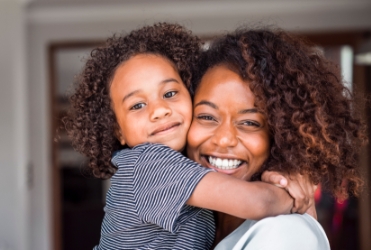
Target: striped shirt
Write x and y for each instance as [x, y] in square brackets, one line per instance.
[145, 206]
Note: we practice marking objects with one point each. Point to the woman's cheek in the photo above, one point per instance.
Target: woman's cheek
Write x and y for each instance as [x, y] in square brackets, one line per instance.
[196, 140]
[193, 135]
[260, 146]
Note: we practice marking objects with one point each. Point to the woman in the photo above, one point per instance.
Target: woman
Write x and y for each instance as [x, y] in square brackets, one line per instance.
[270, 102]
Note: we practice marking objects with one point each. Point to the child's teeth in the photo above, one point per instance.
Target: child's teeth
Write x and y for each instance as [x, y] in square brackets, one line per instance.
[224, 163]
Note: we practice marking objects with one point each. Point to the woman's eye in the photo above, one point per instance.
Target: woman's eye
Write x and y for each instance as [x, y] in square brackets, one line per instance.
[170, 94]
[137, 106]
[250, 123]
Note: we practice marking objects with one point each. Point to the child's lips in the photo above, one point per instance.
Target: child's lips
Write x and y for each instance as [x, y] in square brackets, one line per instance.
[165, 128]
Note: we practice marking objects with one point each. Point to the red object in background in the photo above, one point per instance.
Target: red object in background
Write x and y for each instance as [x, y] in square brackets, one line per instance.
[337, 218]
[318, 194]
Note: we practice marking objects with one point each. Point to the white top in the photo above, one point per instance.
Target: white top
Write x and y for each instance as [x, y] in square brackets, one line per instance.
[284, 232]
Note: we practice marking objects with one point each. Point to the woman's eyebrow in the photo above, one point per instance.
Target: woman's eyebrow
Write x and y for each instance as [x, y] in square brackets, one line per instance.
[246, 111]
[210, 104]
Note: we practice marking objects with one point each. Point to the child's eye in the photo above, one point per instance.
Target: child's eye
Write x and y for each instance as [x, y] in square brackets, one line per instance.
[137, 106]
[170, 94]
[205, 117]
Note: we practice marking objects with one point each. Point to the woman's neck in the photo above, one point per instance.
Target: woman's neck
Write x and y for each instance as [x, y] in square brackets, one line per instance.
[225, 224]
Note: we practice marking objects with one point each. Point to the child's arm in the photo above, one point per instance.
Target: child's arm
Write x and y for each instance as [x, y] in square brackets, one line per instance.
[298, 186]
[162, 181]
[248, 200]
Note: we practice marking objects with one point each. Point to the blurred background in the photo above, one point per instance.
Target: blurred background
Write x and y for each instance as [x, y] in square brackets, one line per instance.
[47, 201]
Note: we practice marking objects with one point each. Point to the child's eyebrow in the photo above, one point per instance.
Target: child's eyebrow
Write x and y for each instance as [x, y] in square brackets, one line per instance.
[130, 94]
[170, 80]
[203, 102]
[138, 90]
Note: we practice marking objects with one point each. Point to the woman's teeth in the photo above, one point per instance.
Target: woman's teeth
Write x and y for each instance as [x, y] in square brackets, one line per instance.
[224, 163]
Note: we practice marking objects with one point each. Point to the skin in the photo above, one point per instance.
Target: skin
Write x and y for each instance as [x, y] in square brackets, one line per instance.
[147, 89]
[158, 102]
[227, 125]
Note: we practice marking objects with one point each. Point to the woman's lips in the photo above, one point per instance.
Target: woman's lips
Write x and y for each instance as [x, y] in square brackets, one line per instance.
[223, 164]
[226, 164]
[165, 128]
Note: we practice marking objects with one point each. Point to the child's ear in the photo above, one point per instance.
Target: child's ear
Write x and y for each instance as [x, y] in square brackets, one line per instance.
[119, 136]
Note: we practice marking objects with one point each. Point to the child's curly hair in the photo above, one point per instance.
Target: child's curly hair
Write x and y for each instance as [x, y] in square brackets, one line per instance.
[312, 117]
[90, 122]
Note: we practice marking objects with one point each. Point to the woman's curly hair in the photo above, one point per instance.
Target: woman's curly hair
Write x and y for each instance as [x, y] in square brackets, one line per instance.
[90, 122]
[312, 118]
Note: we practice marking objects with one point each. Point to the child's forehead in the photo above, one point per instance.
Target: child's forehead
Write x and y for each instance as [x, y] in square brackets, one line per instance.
[146, 63]
[145, 70]
[149, 57]
[143, 62]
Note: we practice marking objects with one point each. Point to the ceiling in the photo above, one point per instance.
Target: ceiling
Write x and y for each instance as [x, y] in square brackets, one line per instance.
[208, 15]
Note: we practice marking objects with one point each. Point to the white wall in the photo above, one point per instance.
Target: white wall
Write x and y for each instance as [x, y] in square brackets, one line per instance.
[24, 104]
[14, 190]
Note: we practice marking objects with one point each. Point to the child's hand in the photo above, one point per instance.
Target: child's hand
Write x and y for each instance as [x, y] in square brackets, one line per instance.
[298, 186]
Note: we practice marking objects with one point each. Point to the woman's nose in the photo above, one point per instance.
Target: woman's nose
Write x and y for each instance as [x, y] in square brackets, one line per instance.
[225, 136]
[159, 110]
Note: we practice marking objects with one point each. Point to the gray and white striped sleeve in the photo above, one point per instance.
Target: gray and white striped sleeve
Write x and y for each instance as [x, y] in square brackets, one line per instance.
[163, 181]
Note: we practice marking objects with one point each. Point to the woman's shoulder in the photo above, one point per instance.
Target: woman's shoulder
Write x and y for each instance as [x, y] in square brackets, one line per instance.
[292, 223]
[288, 219]
[287, 232]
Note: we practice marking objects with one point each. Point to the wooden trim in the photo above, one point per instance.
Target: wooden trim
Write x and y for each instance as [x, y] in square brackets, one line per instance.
[352, 38]
[55, 180]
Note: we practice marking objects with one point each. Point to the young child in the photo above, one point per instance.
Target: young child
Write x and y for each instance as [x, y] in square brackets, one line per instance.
[133, 99]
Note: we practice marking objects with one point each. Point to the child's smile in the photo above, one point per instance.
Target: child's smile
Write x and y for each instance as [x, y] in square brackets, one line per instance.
[164, 129]
[150, 102]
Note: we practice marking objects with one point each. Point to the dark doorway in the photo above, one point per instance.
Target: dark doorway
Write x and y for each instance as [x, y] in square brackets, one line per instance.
[78, 197]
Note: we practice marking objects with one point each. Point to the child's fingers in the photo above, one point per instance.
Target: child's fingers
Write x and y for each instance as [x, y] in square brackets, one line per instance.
[299, 193]
[298, 186]
[274, 178]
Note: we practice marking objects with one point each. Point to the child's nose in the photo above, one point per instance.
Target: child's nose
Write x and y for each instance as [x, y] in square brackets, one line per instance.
[160, 110]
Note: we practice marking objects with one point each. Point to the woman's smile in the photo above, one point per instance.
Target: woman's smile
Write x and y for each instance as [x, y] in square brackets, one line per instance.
[226, 164]
[228, 133]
